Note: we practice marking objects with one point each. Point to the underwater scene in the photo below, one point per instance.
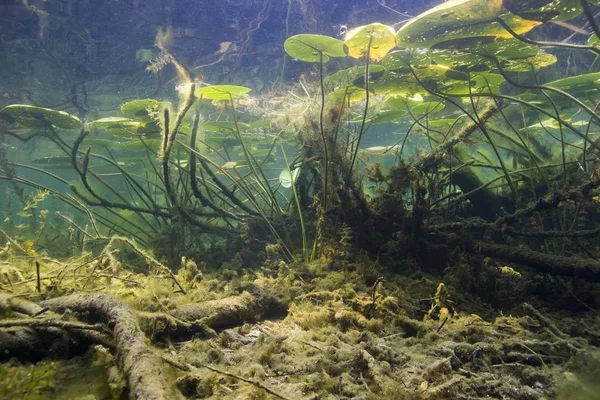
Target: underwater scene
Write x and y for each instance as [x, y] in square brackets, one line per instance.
[300, 199]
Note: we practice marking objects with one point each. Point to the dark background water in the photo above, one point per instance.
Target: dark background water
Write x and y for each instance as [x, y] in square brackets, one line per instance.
[51, 45]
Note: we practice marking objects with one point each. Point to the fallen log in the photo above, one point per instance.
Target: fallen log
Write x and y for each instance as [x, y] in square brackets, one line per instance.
[140, 365]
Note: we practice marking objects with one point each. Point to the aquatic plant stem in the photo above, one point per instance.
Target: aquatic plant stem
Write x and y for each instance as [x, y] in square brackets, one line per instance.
[307, 257]
[364, 118]
[323, 138]
[591, 18]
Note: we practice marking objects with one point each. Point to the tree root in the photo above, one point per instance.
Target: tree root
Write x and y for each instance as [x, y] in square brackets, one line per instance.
[142, 368]
[32, 339]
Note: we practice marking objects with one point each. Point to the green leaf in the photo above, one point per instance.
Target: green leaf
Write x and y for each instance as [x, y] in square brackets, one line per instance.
[286, 177]
[309, 47]
[224, 127]
[222, 92]
[400, 60]
[140, 110]
[116, 126]
[380, 38]
[33, 117]
[457, 19]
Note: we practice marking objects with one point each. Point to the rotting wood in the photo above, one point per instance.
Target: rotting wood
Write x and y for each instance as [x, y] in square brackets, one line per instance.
[141, 366]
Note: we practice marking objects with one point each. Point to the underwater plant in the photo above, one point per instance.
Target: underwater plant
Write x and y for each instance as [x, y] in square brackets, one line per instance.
[484, 138]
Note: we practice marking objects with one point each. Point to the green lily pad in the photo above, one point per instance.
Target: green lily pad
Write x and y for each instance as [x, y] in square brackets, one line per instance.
[445, 21]
[584, 80]
[386, 116]
[224, 127]
[403, 60]
[138, 145]
[222, 92]
[309, 47]
[221, 141]
[545, 10]
[261, 123]
[376, 39]
[140, 110]
[33, 117]
[354, 76]
[486, 83]
[479, 55]
[458, 19]
[117, 126]
[529, 64]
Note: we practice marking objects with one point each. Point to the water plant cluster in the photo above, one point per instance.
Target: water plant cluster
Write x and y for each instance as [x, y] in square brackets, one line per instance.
[485, 138]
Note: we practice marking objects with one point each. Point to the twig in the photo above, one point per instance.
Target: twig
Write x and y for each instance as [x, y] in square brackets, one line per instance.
[190, 368]
[51, 323]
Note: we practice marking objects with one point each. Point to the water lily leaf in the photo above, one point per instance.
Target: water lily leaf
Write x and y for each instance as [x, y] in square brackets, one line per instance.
[461, 19]
[376, 39]
[224, 127]
[116, 126]
[222, 92]
[584, 80]
[138, 145]
[545, 10]
[401, 84]
[351, 93]
[354, 76]
[309, 47]
[140, 110]
[99, 142]
[486, 83]
[529, 64]
[261, 123]
[479, 55]
[403, 60]
[446, 21]
[427, 107]
[399, 101]
[221, 141]
[286, 177]
[386, 116]
[33, 117]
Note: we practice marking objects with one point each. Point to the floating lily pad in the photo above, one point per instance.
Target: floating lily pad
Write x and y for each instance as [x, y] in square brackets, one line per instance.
[309, 47]
[405, 59]
[545, 10]
[116, 126]
[480, 56]
[386, 116]
[222, 92]
[33, 117]
[486, 83]
[458, 19]
[221, 141]
[224, 127]
[138, 145]
[446, 21]
[584, 80]
[376, 39]
[354, 76]
[261, 123]
[529, 64]
[140, 110]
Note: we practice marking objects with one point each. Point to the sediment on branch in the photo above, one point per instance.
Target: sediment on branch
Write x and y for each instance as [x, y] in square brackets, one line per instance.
[142, 368]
